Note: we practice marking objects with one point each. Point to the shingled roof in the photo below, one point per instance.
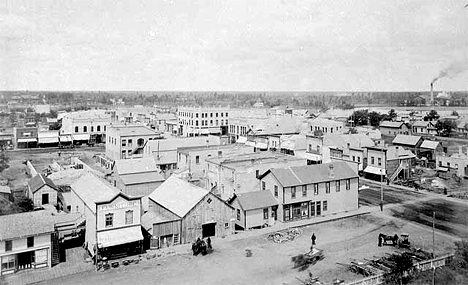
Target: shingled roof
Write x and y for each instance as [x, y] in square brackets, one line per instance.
[256, 200]
[38, 181]
[309, 174]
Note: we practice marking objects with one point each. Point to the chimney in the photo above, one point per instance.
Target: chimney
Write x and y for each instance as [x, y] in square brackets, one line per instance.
[432, 93]
[331, 172]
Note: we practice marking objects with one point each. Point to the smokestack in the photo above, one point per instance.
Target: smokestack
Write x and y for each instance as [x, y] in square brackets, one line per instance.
[432, 93]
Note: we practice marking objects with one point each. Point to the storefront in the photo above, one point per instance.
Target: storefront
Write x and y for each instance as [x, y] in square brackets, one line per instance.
[25, 260]
[120, 242]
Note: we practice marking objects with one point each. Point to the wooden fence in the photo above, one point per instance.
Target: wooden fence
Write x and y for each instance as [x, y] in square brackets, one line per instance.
[420, 266]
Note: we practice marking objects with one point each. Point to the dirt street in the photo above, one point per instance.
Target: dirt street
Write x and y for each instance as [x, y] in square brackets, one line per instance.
[342, 241]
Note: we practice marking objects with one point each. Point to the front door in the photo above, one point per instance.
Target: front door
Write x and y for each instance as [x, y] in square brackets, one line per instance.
[318, 208]
[45, 199]
[312, 209]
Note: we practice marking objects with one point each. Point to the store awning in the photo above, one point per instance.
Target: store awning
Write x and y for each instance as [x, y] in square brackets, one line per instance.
[215, 130]
[375, 170]
[249, 143]
[241, 140]
[27, 140]
[313, 156]
[65, 138]
[80, 137]
[49, 140]
[261, 145]
[119, 236]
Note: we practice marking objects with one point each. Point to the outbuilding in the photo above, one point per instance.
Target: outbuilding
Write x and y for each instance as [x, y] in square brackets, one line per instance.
[254, 209]
[42, 191]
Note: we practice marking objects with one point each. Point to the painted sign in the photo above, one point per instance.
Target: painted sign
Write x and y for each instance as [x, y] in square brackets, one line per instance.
[128, 204]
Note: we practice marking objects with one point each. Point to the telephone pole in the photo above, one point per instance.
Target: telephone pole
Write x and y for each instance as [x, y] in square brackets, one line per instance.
[433, 246]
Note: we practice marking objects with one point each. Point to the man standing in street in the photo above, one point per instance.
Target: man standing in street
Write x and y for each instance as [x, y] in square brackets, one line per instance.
[313, 241]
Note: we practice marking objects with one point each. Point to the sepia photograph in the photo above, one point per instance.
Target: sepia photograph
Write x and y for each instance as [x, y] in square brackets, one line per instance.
[289, 142]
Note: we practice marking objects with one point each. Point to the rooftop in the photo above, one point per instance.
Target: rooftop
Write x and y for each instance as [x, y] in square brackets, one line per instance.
[430, 144]
[309, 174]
[256, 200]
[132, 130]
[243, 160]
[187, 150]
[406, 140]
[150, 218]
[177, 195]
[421, 123]
[92, 190]
[67, 176]
[390, 124]
[175, 143]
[143, 177]
[136, 165]
[40, 180]
[354, 140]
[395, 152]
[25, 224]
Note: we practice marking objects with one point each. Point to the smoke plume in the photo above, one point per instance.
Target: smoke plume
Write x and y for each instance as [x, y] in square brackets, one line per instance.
[452, 70]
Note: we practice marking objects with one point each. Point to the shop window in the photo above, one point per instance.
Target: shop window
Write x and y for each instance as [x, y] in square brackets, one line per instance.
[348, 184]
[276, 191]
[304, 190]
[316, 190]
[129, 217]
[109, 220]
[337, 184]
[265, 214]
[8, 263]
[293, 192]
[325, 206]
[238, 214]
[327, 187]
[30, 242]
[8, 245]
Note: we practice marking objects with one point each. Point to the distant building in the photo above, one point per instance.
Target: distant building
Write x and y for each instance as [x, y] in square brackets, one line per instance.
[408, 142]
[326, 126]
[239, 174]
[48, 138]
[42, 191]
[164, 151]
[6, 140]
[85, 125]
[25, 137]
[180, 212]
[424, 128]
[389, 163]
[255, 209]
[137, 177]
[305, 192]
[430, 149]
[203, 121]
[42, 109]
[25, 242]
[128, 141]
[391, 129]
[457, 161]
[113, 219]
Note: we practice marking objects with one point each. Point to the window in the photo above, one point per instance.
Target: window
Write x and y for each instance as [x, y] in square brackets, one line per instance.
[123, 154]
[211, 115]
[30, 242]
[304, 190]
[226, 114]
[337, 183]
[348, 184]
[372, 160]
[325, 206]
[104, 128]
[8, 262]
[196, 115]
[85, 129]
[379, 161]
[263, 185]
[226, 225]
[98, 128]
[316, 191]
[359, 159]
[293, 192]
[124, 142]
[109, 220]
[76, 129]
[129, 217]
[216, 115]
[327, 187]
[318, 149]
[354, 158]
[8, 245]
[92, 128]
[197, 159]
[276, 191]
[238, 214]
[196, 123]
[265, 214]
[130, 142]
[257, 173]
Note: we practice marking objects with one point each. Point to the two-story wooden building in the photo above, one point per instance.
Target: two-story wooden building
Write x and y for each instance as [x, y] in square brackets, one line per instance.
[180, 212]
[391, 129]
[25, 242]
[309, 191]
[113, 219]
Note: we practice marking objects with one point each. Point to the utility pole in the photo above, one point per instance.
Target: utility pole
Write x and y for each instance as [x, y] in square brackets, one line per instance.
[381, 180]
[433, 247]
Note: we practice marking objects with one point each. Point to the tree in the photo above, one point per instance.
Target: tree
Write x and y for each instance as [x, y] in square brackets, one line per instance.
[431, 116]
[359, 117]
[25, 204]
[375, 118]
[392, 114]
[318, 133]
[402, 272]
[445, 127]
[455, 113]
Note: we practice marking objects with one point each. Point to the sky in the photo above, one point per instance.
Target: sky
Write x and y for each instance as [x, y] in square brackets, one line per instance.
[231, 45]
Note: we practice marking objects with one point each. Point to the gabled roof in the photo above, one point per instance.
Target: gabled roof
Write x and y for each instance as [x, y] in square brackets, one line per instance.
[308, 174]
[256, 200]
[93, 190]
[67, 176]
[390, 124]
[139, 178]
[430, 144]
[25, 224]
[422, 124]
[38, 181]
[137, 165]
[406, 140]
[178, 196]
